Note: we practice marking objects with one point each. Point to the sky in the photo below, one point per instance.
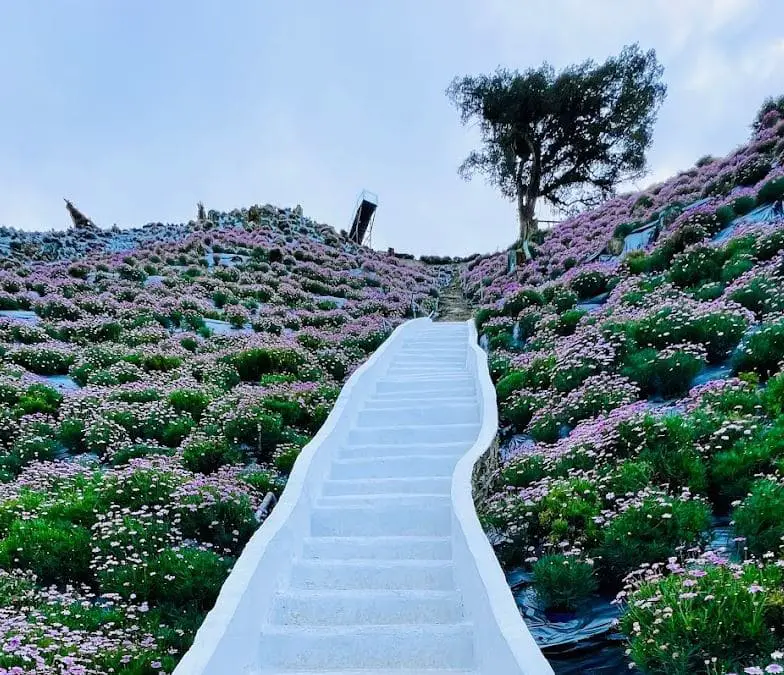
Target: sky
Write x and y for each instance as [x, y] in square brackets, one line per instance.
[138, 110]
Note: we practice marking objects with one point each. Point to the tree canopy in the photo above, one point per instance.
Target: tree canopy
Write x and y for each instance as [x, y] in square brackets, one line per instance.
[569, 137]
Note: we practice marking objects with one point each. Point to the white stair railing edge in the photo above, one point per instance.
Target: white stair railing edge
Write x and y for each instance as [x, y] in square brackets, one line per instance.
[510, 648]
[200, 658]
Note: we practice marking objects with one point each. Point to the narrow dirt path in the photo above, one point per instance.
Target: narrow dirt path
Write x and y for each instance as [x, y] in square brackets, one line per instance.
[452, 304]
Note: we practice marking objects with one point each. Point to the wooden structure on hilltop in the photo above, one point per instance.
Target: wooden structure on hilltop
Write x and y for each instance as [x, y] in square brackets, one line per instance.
[364, 215]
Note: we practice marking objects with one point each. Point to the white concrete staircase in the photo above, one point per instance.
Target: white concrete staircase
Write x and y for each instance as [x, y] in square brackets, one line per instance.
[373, 584]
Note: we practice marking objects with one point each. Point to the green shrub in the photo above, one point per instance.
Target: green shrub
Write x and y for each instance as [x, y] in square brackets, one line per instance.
[719, 333]
[567, 322]
[736, 267]
[258, 479]
[56, 552]
[768, 246]
[734, 471]
[254, 427]
[523, 471]
[39, 398]
[209, 455]
[42, 360]
[763, 351]
[631, 476]
[226, 522]
[285, 456]
[758, 518]
[510, 383]
[651, 532]
[589, 284]
[698, 264]
[742, 205]
[771, 191]
[189, 401]
[519, 409]
[186, 579]
[666, 374]
[527, 297]
[677, 623]
[562, 582]
[252, 363]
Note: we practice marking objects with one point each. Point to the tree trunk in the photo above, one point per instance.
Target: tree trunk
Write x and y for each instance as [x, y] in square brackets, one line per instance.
[526, 197]
[525, 215]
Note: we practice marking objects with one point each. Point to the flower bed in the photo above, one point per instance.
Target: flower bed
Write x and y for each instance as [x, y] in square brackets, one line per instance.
[629, 467]
[125, 499]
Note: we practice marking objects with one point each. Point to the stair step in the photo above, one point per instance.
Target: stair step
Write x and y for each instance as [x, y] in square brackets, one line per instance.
[380, 519]
[332, 608]
[375, 451]
[378, 548]
[358, 486]
[449, 433]
[434, 575]
[446, 414]
[365, 671]
[412, 466]
[425, 401]
[422, 646]
[389, 386]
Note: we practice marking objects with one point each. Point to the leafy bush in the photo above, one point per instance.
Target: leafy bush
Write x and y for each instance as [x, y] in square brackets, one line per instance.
[563, 582]
[186, 579]
[758, 518]
[763, 351]
[189, 401]
[42, 360]
[697, 265]
[589, 284]
[771, 191]
[57, 552]
[209, 455]
[725, 615]
[519, 409]
[668, 373]
[733, 471]
[651, 531]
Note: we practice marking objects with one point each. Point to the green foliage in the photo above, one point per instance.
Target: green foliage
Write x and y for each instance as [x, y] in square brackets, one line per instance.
[57, 552]
[763, 351]
[563, 582]
[718, 618]
[758, 518]
[190, 401]
[562, 136]
[771, 191]
[252, 363]
[209, 455]
[185, 579]
[589, 284]
[519, 409]
[667, 375]
[651, 531]
[733, 471]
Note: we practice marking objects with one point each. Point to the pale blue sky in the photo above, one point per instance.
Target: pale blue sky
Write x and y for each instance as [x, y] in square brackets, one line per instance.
[137, 110]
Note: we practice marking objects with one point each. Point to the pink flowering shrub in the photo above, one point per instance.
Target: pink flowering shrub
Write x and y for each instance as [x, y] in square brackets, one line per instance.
[155, 385]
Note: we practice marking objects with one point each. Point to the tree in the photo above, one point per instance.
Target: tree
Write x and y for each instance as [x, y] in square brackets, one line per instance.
[764, 117]
[569, 138]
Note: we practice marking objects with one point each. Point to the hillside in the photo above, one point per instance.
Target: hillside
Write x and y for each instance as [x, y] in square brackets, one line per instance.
[637, 361]
[156, 385]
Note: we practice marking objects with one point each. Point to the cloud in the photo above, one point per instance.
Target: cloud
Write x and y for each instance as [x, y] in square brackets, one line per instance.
[138, 113]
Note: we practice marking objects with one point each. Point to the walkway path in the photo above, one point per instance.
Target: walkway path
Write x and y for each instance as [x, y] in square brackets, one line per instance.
[452, 304]
[379, 569]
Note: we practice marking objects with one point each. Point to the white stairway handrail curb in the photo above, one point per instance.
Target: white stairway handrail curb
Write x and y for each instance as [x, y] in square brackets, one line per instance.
[213, 629]
[525, 653]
